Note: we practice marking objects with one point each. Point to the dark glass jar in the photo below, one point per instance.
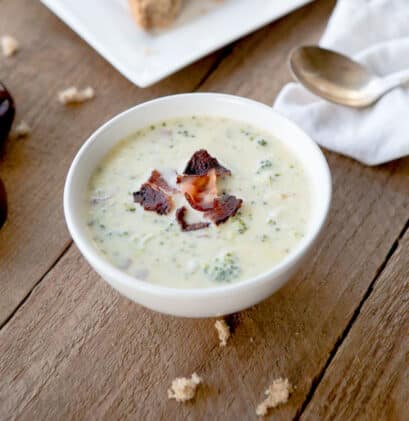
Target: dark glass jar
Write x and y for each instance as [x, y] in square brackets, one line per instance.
[3, 204]
[7, 112]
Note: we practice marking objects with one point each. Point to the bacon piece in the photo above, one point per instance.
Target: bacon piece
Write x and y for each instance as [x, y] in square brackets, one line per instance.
[153, 194]
[202, 162]
[153, 199]
[223, 208]
[180, 217]
[199, 190]
[157, 179]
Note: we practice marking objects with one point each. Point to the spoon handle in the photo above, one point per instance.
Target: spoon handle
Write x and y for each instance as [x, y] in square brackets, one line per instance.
[395, 79]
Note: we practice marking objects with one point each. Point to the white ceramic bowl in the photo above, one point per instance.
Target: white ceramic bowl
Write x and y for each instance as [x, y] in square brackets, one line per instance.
[206, 302]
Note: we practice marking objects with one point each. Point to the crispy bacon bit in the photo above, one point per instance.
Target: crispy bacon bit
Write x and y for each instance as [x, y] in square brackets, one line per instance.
[180, 217]
[199, 190]
[157, 179]
[153, 194]
[199, 186]
[153, 199]
[202, 162]
[223, 208]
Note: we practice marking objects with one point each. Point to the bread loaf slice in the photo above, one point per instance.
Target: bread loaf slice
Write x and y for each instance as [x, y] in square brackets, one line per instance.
[151, 14]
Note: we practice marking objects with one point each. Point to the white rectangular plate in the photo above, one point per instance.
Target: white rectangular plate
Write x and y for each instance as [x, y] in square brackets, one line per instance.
[145, 58]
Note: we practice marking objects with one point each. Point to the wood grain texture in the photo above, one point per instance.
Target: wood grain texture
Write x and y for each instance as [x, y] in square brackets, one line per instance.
[257, 67]
[77, 350]
[52, 58]
[369, 377]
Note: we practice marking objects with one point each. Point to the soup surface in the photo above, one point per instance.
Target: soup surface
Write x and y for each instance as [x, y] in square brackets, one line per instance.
[272, 219]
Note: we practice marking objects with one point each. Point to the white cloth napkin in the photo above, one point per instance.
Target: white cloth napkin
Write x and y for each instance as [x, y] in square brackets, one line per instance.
[376, 33]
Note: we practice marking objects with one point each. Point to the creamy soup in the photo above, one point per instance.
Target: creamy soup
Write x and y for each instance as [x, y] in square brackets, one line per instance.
[272, 220]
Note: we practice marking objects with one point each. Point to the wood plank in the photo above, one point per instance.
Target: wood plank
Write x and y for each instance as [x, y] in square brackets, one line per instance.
[78, 350]
[368, 377]
[52, 58]
[257, 67]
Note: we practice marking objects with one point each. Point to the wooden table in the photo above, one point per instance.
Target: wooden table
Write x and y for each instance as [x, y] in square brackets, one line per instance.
[72, 348]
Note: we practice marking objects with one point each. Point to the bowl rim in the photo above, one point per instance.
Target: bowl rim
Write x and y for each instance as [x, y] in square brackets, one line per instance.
[103, 266]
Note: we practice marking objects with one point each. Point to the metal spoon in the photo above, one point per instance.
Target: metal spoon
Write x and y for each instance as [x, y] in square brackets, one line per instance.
[339, 79]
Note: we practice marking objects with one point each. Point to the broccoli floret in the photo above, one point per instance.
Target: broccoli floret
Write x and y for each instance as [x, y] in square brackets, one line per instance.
[241, 225]
[223, 268]
[129, 207]
[262, 142]
[264, 165]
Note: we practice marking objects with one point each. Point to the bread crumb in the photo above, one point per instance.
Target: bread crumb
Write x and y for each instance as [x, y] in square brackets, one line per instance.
[277, 394]
[73, 95]
[251, 339]
[183, 389]
[223, 331]
[21, 130]
[9, 45]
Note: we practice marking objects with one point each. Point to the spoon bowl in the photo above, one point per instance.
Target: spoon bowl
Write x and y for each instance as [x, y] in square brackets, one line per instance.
[340, 79]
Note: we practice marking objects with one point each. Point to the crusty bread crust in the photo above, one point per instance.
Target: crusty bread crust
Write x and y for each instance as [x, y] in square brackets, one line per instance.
[150, 14]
